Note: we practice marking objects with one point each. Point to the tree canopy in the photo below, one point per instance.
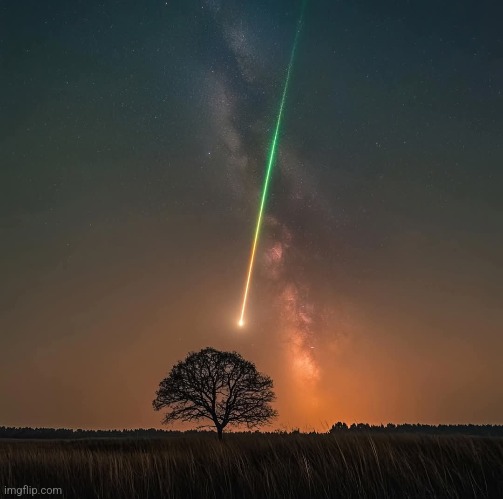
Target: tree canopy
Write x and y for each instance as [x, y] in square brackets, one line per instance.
[217, 387]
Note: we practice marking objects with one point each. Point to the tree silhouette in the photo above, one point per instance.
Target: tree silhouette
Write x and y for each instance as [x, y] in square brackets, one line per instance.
[221, 387]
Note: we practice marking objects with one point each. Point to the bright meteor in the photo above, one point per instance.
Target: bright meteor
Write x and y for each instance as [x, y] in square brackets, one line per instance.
[270, 164]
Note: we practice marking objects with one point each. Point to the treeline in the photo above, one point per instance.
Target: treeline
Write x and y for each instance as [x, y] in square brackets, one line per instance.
[457, 429]
[337, 428]
[62, 433]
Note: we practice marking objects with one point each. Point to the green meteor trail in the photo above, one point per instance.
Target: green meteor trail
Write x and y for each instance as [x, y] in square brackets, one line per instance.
[270, 164]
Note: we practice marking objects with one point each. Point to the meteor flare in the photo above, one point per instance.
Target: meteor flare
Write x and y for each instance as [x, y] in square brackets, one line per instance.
[270, 164]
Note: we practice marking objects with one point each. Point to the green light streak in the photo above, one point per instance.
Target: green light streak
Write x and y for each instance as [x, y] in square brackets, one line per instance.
[270, 164]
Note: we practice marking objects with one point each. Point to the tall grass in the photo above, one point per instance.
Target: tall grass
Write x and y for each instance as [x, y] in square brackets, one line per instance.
[282, 466]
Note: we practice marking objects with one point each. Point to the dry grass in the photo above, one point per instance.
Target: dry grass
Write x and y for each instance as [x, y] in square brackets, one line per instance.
[260, 466]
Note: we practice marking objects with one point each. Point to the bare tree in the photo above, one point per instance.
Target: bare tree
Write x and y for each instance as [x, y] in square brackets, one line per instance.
[220, 387]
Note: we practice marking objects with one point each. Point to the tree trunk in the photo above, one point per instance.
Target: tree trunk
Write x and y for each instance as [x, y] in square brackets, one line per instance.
[220, 432]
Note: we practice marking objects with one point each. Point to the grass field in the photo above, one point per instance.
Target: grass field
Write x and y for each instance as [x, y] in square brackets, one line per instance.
[260, 466]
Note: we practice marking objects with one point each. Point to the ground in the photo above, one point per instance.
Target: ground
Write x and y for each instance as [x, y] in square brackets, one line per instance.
[259, 465]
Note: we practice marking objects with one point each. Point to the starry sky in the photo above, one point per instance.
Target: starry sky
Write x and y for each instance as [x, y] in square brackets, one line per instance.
[133, 143]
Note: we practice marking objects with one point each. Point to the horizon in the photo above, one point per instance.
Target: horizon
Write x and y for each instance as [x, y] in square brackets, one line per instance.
[355, 426]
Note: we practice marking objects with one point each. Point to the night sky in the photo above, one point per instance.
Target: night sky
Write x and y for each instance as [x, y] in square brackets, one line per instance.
[134, 138]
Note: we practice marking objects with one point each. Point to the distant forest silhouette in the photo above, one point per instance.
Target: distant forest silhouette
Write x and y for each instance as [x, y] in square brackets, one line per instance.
[337, 428]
